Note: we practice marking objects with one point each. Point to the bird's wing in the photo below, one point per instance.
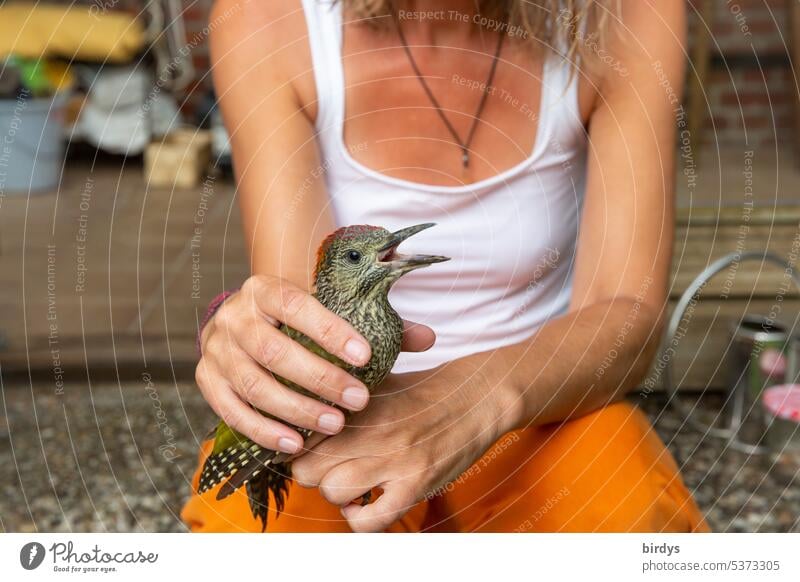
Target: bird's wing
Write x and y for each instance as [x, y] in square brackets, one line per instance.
[312, 346]
[225, 437]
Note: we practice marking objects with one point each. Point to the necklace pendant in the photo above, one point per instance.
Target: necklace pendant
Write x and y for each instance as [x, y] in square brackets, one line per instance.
[465, 159]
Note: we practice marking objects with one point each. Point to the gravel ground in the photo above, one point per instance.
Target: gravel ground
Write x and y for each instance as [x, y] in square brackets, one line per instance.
[114, 457]
[107, 458]
[737, 492]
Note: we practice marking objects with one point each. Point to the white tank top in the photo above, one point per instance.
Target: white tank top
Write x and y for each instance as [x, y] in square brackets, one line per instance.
[511, 237]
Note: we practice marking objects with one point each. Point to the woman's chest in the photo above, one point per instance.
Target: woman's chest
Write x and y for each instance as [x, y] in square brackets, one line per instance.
[412, 117]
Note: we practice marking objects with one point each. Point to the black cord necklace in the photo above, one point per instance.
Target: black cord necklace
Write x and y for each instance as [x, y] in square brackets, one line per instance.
[464, 144]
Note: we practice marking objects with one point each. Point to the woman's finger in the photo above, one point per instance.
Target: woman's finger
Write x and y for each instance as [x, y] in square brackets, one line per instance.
[268, 433]
[317, 460]
[298, 309]
[310, 443]
[377, 516]
[278, 353]
[259, 388]
[350, 480]
[417, 337]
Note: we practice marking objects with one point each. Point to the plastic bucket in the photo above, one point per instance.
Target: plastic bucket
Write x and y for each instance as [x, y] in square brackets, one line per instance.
[31, 144]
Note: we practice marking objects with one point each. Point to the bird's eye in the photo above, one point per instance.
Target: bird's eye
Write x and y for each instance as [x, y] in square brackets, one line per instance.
[353, 256]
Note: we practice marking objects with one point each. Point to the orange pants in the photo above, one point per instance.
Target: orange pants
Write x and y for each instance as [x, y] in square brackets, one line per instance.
[607, 471]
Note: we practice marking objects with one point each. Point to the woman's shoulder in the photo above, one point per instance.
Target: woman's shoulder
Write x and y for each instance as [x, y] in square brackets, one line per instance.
[268, 39]
[639, 40]
[645, 34]
[272, 24]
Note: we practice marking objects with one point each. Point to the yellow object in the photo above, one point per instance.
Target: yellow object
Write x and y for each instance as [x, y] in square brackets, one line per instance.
[59, 75]
[179, 160]
[80, 32]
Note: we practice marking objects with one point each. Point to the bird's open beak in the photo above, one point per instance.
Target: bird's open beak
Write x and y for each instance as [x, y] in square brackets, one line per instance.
[388, 254]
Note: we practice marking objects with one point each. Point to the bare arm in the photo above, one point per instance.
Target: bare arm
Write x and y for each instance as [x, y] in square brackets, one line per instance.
[603, 347]
[284, 206]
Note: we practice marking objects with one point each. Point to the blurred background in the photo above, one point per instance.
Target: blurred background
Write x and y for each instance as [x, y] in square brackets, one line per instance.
[118, 224]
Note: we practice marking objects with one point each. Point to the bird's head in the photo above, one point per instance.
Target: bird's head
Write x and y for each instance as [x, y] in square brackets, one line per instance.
[356, 261]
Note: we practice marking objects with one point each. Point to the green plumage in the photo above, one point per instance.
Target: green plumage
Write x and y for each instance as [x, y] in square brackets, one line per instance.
[356, 290]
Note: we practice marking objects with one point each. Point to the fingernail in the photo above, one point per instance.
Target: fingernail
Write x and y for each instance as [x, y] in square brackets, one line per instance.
[355, 397]
[357, 351]
[331, 423]
[288, 445]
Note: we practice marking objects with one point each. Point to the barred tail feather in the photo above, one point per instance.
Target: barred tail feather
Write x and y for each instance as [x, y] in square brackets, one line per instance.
[219, 466]
[252, 466]
[275, 480]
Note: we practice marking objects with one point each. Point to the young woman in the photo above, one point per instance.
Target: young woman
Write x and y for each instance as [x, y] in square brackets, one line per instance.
[540, 138]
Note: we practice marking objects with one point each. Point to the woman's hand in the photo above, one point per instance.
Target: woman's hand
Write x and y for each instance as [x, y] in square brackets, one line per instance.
[421, 431]
[241, 345]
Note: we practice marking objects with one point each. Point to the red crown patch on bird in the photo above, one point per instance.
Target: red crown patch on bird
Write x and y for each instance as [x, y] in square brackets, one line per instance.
[342, 233]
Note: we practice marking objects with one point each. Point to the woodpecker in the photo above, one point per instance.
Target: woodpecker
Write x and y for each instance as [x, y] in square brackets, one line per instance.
[356, 267]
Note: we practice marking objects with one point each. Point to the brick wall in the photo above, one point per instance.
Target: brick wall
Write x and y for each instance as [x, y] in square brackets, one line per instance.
[196, 16]
[751, 90]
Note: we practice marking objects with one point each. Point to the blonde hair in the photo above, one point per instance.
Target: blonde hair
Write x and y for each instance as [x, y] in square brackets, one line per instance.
[577, 29]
